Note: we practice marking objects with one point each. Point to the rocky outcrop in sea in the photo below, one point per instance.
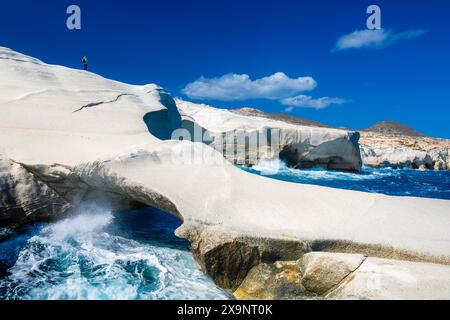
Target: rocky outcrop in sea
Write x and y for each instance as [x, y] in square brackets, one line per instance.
[401, 151]
[248, 138]
[386, 144]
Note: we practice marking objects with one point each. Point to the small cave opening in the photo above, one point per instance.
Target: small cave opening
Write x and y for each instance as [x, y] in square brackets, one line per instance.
[150, 225]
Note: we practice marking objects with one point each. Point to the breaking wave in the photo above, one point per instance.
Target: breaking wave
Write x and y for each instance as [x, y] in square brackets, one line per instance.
[101, 255]
[98, 255]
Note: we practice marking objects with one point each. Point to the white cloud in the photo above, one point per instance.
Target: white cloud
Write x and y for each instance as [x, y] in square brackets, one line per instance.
[289, 109]
[240, 87]
[303, 101]
[374, 39]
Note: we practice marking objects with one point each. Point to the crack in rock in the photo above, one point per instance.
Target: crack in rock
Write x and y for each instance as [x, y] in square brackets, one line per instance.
[21, 60]
[94, 104]
[329, 292]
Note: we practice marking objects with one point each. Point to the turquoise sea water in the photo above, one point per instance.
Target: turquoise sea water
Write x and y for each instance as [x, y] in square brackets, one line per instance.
[98, 254]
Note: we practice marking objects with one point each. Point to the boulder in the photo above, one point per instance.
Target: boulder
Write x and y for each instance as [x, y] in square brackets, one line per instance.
[276, 281]
[323, 271]
[325, 275]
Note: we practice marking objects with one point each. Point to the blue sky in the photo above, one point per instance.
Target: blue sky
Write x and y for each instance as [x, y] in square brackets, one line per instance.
[402, 74]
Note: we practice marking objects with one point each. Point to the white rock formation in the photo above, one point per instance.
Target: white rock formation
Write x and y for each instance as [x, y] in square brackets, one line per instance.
[379, 150]
[249, 139]
[255, 206]
[376, 279]
[25, 198]
[54, 114]
[99, 132]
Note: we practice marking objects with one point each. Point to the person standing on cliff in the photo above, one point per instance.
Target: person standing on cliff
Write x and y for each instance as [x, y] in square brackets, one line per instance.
[84, 61]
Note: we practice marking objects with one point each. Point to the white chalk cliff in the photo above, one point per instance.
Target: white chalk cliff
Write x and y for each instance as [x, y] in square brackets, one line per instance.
[301, 146]
[69, 136]
[381, 150]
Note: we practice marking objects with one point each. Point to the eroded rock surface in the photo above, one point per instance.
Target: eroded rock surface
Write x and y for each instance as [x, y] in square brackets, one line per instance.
[58, 157]
[252, 112]
[323, 275]
[248, 139]
[322, 271]
[379, 150]
[25, 197]
[392, 279]
[275, 281]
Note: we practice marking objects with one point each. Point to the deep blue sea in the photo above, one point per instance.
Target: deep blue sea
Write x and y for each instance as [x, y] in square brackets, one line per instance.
[98, 254]
[397, 182]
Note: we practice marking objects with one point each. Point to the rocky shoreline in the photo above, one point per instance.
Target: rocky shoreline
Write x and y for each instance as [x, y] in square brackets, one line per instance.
[387, 144]
[257, 237]
[397, 151]
[248, 139]
[253, 264]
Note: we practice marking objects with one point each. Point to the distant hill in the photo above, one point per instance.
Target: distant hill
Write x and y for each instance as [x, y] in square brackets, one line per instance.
[279, 116]
[384, 127]
[394, 128]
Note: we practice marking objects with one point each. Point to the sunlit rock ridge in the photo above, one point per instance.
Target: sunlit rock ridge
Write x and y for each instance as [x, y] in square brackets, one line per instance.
[248, 139]
[70, 137]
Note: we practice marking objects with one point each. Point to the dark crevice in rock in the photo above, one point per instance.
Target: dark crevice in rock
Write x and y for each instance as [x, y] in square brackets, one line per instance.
[94, 104]
[346, 278]
[228, 264]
